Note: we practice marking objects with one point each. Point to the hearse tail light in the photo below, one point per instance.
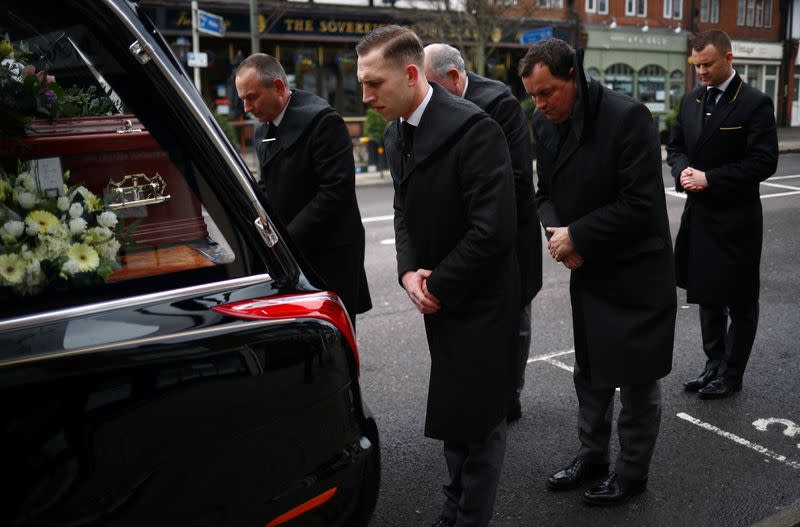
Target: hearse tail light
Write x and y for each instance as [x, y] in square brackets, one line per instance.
[324, 306]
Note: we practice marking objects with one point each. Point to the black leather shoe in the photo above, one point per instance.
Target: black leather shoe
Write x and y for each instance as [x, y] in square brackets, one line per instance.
[720, 388]
[700, 382]
[614, 490]
[575, 473]
[514, 411]
[444, 522]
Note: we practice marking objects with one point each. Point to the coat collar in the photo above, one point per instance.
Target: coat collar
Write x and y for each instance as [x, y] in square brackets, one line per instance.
[300, 114]
[483, 92]
[442, 123]
[725, 106]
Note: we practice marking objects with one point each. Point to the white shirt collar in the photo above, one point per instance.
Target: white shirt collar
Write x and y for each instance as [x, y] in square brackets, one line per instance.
[415, 117]
[466, 83]
[724, 86]
[279, 118]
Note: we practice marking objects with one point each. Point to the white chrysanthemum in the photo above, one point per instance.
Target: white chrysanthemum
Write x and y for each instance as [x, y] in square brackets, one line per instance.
[77, 226]
[34, 268]
[76, 210]
[107, 219]
[26, 181]
[12, 268]
[14, 228]
[26, 200]
[43, 220]
[87, 258]
[63, 203]
[70, 267]
[109, 249]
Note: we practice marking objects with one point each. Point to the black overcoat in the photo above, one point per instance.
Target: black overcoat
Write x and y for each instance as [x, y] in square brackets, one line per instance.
[308, 174]
[605, 184]
[494, 98]
[455, 214]
[718, 248]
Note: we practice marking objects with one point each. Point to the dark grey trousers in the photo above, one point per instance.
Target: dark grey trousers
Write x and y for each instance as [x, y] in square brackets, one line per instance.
[728, 346]
[474, 468]
[637, 425]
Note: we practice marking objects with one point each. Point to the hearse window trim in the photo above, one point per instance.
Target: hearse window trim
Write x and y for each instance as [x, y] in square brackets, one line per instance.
[130, 302]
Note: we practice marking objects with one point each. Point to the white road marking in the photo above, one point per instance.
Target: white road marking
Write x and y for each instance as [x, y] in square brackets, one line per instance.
[547, 356]
[740, 440]
[373, 219]
[790, 429]
[559, 364]
[670, 191]
[778, 185]
[773, 178]
[387, 241]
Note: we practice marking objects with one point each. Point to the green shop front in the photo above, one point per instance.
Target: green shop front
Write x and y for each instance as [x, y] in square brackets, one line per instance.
[649, 66]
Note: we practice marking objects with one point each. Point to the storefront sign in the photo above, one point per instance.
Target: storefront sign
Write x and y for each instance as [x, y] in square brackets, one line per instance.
[532, 36]
[757, 50]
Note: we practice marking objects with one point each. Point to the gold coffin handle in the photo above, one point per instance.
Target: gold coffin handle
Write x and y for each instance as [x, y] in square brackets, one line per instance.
[136, 190]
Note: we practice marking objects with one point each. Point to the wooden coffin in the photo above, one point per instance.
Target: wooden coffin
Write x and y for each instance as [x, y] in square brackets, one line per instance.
[100, 152]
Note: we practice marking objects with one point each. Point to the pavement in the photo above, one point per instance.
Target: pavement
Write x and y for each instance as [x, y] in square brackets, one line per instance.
[788, 141]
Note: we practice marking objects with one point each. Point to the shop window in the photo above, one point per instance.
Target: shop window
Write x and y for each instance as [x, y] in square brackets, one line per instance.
[651, 87]
[550, 4]
[676, 83]
[619, 77]
[99, 189]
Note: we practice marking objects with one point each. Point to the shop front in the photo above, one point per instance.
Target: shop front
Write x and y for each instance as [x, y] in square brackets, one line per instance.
[648, 66]
[759, 64]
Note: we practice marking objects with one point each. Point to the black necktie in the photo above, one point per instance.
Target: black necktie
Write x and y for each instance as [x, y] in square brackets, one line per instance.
[407, 146]
[710, 103]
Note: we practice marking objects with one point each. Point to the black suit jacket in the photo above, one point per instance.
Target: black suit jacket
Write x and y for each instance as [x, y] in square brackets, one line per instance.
[496, 99]
[308, 175]
[455, 215]
[718, 248]
[605, 184]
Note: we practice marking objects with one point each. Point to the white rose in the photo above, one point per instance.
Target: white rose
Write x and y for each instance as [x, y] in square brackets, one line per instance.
[110, 249]
[107, 219]
[14, 228]
[26, 180]
[76, 210]
[26, 200]
[31, 229]
[103, 232]
[34, 268]
[77, 225]
[63, 203]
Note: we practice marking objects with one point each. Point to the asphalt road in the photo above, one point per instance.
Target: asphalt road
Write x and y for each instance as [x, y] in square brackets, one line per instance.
[728, 462]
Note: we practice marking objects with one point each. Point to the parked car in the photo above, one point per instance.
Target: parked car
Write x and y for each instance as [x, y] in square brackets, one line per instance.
[163, 358]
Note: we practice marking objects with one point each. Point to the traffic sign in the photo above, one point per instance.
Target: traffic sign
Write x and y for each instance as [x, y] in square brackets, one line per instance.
[197, 60]
[210, 23]
[532, 36]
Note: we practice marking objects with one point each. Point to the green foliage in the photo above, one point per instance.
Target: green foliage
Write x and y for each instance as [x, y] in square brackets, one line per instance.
[374, 125]
[227, 127]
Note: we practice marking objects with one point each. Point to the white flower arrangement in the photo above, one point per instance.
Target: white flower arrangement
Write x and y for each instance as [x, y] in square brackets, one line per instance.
[65, 241]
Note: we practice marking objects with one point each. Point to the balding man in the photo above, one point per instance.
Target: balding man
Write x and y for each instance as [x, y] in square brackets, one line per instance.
[308, 174]
[445, 66]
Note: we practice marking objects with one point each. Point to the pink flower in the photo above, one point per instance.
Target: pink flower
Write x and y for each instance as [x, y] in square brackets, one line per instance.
[50, 79]
[29, 70]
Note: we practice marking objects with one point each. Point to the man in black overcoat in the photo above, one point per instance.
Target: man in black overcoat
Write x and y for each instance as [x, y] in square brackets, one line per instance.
[601, 200]
[455, 230]
[722, 146]
[308, 175]
[444, 65]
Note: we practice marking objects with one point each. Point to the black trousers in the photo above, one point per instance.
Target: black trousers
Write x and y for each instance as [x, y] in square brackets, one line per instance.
[637, 425]
[524, 341]
[728, 335]
[474, 468]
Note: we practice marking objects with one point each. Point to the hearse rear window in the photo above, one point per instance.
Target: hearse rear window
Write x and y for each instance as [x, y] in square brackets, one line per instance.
[89, 198]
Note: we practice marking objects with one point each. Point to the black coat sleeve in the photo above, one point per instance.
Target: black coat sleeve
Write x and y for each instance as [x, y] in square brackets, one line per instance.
[677, 154]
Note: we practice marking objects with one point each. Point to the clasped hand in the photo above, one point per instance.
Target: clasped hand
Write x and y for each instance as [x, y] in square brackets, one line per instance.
[693, 180]
[561, 248]
[416, 285]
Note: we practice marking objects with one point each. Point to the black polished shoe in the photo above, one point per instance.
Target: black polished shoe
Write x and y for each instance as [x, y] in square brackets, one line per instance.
[700, 382]
[444, 522]
[576, 473]
[720, 388]
[614, 490]
[514, 411]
